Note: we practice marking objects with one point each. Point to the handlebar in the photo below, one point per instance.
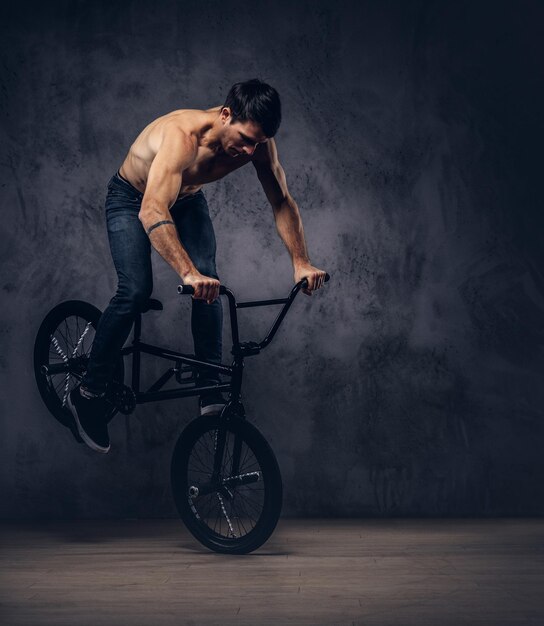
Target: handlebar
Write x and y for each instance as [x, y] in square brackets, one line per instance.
[250, 347]
[189, 289]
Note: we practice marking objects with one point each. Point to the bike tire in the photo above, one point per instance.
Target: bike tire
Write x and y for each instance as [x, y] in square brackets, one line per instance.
[67, 320]
[191, 510]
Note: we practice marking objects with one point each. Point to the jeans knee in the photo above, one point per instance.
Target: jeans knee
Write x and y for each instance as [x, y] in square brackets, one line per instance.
[134, 296]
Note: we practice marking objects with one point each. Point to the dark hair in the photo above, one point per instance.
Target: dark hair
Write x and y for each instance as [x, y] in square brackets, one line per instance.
[255, 101]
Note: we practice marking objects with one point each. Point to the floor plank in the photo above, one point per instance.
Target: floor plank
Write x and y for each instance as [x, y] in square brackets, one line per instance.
[311, 572]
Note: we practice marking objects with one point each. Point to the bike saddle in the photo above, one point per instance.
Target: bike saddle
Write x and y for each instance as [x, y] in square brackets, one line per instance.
[152, 305]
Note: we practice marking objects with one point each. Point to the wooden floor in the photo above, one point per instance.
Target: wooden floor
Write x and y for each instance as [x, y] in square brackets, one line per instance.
[364, 572]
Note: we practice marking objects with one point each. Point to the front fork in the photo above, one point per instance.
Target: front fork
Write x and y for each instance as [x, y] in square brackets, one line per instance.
[234, 409]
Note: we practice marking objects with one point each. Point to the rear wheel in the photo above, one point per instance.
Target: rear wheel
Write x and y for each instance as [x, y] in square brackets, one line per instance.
[61, 353]
[236, 511]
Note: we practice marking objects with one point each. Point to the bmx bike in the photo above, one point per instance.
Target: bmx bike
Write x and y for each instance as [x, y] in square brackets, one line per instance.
[225, 478]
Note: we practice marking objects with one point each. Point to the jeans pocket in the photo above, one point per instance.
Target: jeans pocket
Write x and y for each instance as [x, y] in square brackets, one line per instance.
[117, 202]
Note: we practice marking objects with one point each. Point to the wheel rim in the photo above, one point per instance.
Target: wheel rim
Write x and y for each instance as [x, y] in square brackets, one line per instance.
[235, 503]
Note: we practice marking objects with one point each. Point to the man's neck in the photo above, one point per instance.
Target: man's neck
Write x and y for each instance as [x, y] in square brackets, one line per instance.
[209, 136]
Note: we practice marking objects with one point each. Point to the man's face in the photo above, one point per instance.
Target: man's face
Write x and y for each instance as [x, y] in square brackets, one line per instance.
[240, 137]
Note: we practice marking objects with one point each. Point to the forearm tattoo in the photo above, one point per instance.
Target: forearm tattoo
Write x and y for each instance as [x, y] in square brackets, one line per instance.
[158, 224]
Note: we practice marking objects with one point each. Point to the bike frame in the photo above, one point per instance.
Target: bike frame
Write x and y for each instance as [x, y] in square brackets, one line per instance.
[233, 407]
[189, 388]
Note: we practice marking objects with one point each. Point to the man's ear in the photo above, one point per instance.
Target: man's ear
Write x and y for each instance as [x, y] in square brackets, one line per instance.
[225, 114]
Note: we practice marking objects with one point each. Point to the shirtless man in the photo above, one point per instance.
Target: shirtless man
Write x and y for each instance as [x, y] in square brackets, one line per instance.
[156, 199]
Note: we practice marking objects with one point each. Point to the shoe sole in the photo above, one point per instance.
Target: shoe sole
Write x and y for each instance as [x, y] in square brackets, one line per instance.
[211, 408]
[92, 444]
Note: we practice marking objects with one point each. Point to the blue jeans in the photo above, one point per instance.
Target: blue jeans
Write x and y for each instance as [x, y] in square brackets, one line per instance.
[131, 253]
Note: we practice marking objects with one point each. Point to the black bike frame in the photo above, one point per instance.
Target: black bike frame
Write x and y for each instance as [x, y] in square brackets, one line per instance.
[187, 386]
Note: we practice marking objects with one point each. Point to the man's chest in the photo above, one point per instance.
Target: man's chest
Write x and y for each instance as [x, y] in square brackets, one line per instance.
[208, 167]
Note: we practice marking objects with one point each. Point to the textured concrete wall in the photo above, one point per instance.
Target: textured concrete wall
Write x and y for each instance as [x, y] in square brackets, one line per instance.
[411, 384]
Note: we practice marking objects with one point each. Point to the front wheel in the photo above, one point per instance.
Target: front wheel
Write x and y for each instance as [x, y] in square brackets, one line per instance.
[236, 510]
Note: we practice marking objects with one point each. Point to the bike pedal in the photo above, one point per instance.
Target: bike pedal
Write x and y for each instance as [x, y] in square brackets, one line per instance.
[180, 369]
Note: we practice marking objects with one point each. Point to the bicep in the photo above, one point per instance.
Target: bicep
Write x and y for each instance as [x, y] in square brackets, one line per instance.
[165, 174]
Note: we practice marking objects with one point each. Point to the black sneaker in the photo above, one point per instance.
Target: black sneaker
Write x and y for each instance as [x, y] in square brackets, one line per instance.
[211, 403]
[89, 415]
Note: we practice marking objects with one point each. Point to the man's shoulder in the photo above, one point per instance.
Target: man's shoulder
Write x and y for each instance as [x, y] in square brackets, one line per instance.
[184, 120]
[188, 122]
[180, 126]
[175, 141]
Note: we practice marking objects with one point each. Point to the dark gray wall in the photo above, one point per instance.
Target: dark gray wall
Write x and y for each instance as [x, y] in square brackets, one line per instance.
[412, 139]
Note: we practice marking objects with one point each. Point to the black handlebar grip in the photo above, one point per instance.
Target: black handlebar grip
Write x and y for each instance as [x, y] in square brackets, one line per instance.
[189, 289]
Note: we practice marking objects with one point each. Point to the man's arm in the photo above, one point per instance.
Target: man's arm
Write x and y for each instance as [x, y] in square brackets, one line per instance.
[176, 152]
[286, 214]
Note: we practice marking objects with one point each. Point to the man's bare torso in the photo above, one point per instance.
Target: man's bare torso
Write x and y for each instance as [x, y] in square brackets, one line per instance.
[208, 165]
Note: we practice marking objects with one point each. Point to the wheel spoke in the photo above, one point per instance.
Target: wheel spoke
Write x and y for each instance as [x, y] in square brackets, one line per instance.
[243, 525]
[246, 500]
[233, 534]
[59, 350]
[71, 349]
[62, 336]
[242, 464]
[60, 385]
[81, 338]
[226, 517]
[198, 457]
[243, 507]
